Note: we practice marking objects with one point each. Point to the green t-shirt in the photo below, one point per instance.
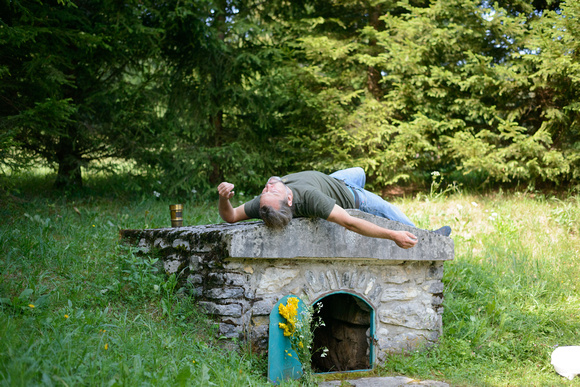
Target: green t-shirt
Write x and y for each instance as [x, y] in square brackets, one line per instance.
[314, 195]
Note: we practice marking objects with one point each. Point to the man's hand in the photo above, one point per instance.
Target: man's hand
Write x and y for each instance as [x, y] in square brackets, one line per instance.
[225, 190]
[227, 212]
[404, 239]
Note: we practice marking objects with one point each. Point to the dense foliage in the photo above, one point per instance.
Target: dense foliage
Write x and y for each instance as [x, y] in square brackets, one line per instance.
[455, 86]
[77, 82]
[199, 91]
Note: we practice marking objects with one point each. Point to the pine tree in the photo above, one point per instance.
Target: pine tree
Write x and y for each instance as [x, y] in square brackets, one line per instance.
[450, 86]
[76, 81]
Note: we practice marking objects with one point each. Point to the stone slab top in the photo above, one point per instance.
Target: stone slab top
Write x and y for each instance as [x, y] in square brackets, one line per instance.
[303, 238]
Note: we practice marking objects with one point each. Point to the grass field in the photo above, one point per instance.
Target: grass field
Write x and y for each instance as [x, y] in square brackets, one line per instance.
[79, 308]
[512, 294]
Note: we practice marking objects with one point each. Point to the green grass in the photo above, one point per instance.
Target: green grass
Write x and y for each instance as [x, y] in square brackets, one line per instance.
[103, 316]
[79, 308]
[512, 293]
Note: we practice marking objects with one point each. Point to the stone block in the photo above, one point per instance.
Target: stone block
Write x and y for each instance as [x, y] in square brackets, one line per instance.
[434, 287]
[229, 331]
[195, 279]
[172, 266]
[160, 243]
[235, 279]
[406, 342]
[224, 293]
[411, 315]
[376, 293]
[143, 246]
[399, 293]
[332, 281]
[259, 321]
[195, 262]
[180, 244]
[435, 271]
[437, 301]
[232, 310]
[314, 280]
[273, 279]
[395, 275]
[263, 307]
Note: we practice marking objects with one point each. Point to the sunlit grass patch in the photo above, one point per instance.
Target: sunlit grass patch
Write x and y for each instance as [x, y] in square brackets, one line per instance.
[511, 294]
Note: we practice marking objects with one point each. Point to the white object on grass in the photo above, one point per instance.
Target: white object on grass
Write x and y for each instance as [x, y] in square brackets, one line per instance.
[566, 361]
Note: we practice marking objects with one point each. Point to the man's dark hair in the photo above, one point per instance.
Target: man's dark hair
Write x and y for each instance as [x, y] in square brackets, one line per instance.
[276, 219]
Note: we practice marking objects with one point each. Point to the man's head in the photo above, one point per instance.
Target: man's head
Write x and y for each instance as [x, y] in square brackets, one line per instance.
[275, 203]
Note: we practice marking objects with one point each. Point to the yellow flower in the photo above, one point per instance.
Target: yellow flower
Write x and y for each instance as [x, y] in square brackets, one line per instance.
[106, 346]
[66, 316]
[289, 312]
[286, 327]
[30, 306]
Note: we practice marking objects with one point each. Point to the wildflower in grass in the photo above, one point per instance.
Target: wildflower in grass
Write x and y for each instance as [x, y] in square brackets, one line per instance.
[474, 204]
[66, 316]
[31, 306]
[106, 346]
[156, 194]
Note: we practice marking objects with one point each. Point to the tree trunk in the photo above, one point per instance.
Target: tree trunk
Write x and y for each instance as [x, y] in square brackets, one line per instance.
[69, 165]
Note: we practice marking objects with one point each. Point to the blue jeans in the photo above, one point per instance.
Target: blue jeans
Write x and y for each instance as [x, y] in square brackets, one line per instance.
[355, 179]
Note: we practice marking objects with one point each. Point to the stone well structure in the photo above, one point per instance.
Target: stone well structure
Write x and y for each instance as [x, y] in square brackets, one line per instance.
[377, 297]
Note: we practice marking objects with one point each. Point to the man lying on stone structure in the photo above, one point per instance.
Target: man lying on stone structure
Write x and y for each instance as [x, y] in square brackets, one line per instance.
[315, 194]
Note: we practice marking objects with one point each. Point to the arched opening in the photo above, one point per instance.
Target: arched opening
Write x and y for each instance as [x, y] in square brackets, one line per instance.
[347, 334]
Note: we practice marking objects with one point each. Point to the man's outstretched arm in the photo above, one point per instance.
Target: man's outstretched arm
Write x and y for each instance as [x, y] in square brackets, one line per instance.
[226, 210]
[403, 239]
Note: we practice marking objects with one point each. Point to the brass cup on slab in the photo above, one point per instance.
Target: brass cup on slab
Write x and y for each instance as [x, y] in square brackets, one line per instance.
[176, 215]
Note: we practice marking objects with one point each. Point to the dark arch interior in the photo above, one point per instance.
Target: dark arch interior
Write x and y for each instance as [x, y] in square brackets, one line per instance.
[346, 334]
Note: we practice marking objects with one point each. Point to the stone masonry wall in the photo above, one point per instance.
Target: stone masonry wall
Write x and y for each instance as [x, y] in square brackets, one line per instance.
[240, 271]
